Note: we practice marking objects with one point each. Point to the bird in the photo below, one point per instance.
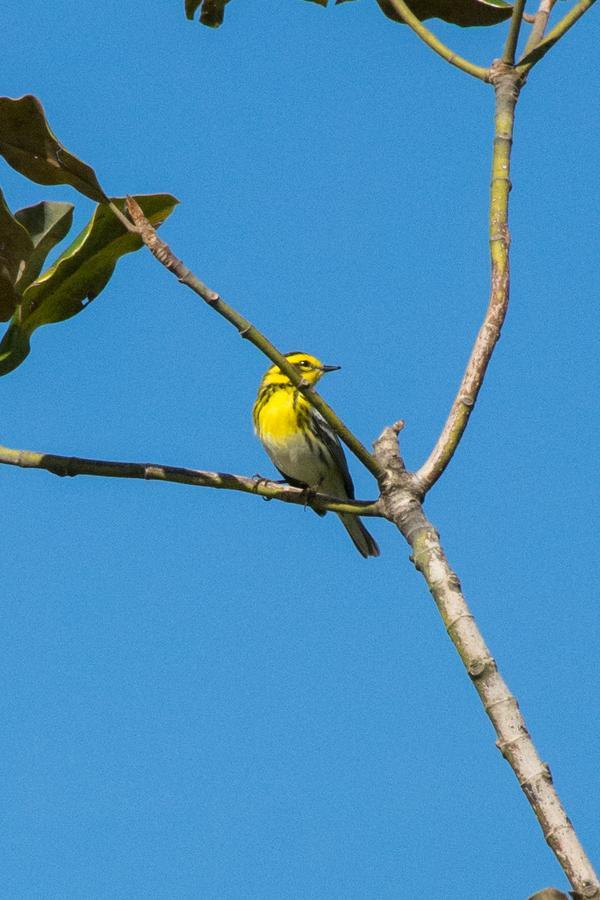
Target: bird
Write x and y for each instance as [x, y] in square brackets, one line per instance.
[300, 442]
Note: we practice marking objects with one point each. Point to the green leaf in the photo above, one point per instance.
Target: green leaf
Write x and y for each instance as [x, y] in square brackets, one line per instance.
[459, 12]
[47, 223]
[25, 240]
[30, 147]
[15, 249]
[78, 275]
[212, 11]
[13, 349]
[190, 8]
[9, 296]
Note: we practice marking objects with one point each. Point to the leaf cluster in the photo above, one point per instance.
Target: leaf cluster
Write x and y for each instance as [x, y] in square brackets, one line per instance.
[466, 13]
[31, 295]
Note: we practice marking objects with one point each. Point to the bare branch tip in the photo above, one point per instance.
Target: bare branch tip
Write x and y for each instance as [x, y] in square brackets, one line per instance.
[134, 207]
[144, 227]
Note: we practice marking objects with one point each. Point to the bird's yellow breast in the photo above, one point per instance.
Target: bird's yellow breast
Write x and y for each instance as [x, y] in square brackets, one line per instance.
[279, 414]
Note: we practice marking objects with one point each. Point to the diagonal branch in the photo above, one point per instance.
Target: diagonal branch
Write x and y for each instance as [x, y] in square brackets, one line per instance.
[560, 29]
[248, 331]
[539, 25]
[507, 85]
[408, 16]
[270, 490]
[402, 506]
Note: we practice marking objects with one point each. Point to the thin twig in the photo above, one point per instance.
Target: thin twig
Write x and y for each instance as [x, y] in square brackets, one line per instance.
[559, 30]
[270, 490]
[407, 16]
[507, 86]
[402, 506]
[539, 25]
[123, 218]
[248, 331]
[512, 38]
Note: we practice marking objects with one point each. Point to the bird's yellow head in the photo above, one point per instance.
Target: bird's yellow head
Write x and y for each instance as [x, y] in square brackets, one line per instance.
[309, 368]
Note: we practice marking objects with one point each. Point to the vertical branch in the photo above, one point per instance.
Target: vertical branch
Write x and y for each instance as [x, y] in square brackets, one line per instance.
[507, 85]
[510, 48]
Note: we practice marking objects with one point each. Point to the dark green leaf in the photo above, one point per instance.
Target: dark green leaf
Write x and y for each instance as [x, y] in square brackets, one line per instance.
[9, 296]
[78, 275]
[47, 224]
[15, 249]
[30, 147]
[14, 348]
[212, 11]
[15, 242]
[459, 12]
[190, 8]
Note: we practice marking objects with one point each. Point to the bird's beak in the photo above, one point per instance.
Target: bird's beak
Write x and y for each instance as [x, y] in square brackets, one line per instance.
[330, 368]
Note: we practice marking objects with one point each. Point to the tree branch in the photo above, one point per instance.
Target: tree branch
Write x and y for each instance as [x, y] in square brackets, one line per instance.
[539, 25]
[248, 331]
[401, 505]
[530, 59]
[512, 38]
[270, 490]
[507, 86]
[435, 44]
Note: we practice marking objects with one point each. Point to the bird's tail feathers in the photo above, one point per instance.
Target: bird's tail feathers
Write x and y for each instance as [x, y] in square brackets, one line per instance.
[363, 541]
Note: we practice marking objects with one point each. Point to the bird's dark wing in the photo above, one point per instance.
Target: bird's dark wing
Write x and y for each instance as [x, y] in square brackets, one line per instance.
[324, 432]
[292, 481]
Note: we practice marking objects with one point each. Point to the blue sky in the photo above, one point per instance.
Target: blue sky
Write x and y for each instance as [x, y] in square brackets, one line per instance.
[209, 695]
